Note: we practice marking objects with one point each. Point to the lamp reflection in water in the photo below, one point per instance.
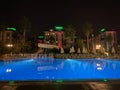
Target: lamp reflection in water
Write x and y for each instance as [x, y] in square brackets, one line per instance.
[8, 70]
[100, 65]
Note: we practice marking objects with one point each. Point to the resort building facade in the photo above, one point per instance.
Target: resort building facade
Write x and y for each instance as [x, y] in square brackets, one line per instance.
[6, 37]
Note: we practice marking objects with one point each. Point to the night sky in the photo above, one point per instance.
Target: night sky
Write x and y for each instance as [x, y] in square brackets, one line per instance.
[46, 14]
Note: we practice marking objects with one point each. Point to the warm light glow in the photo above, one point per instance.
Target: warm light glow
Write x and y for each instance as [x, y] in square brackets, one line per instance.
[9, 45]
[51, 30]
[98, 46]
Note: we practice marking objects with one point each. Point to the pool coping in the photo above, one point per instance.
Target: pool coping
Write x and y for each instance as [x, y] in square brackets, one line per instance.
[54, 82]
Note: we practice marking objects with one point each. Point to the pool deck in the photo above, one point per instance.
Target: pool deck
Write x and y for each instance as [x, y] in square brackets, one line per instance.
[58, 56]
[60, 86]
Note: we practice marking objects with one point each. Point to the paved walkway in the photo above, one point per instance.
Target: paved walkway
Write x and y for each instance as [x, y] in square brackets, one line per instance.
[84, 86]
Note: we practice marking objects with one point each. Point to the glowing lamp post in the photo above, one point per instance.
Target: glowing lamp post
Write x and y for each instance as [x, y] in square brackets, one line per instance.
[10, 46]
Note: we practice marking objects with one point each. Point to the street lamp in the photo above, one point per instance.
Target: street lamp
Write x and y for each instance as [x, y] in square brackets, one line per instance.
[10, 46]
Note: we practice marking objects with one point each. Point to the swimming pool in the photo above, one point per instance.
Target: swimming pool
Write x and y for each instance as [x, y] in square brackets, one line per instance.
[48, 69]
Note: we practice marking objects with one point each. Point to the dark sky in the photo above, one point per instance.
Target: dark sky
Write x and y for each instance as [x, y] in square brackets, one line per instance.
[46, 14]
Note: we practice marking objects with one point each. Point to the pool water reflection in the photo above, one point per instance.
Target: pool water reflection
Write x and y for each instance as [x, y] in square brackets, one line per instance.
[48, 69]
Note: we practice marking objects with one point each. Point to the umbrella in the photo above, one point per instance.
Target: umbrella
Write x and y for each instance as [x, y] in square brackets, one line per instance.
[72, 50]
[84, 50]
[61, 50]
[113, 50]
[78, 50]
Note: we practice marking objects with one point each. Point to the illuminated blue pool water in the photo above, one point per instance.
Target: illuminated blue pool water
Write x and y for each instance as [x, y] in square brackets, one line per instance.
[60, 69]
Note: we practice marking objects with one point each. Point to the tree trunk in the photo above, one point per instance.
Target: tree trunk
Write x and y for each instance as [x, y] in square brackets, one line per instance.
[88, 43]
[24, 34]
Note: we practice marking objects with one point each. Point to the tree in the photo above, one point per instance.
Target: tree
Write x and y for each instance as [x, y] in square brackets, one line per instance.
[70, 34]
[25, 26]
[79, 43]
[87, 30]
[108, 41]
[70, 31]
[3, 48]
[3, 26]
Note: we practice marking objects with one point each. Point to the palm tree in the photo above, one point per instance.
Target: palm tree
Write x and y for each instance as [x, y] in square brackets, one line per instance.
[87, 30]
[80, 44]
[25, 26]
[108, 41]
[70, 33]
